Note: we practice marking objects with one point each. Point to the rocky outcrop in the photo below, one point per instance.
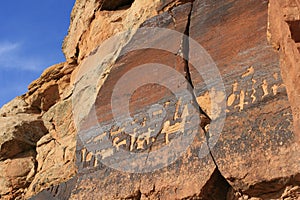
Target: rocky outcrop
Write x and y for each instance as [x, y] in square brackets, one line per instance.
[113, 122]
[283, 34]
[38, 136]
[90, 18]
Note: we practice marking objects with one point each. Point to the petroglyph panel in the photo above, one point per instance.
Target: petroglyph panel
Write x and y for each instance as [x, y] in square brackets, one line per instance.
[147, 131]
[247, 88]
[257, 136]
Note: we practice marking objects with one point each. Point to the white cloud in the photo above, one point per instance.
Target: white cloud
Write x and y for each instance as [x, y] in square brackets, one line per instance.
[11, 58]
[7, 47]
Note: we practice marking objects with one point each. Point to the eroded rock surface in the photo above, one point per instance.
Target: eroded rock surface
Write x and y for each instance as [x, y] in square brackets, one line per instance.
[283, 34]
[55, 145]
[258, 141]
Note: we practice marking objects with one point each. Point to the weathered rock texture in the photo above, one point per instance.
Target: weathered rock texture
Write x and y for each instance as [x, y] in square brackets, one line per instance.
[284, 35]
[45, 153]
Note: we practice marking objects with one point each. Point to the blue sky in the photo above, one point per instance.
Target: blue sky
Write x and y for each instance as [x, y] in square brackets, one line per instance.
[31, 35]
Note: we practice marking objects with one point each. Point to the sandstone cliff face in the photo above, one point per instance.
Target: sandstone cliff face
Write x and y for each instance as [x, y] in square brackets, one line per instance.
[52, 139]
[283, 33]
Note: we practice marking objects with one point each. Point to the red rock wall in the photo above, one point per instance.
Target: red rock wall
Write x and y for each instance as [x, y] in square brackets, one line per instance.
[64, 148]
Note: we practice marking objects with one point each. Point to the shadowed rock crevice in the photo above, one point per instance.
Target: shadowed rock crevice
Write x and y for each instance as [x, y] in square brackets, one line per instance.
[295, 32]
[216, 188]
[113, 5]
[275, 189]
[281, 188]
[20, 136]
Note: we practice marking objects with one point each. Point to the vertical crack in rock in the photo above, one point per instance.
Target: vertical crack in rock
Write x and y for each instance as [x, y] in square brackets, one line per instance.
[205, 119]
[217, 183]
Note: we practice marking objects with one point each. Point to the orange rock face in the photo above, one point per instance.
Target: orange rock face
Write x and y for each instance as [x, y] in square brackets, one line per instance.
[284, 34]
[162, 99]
